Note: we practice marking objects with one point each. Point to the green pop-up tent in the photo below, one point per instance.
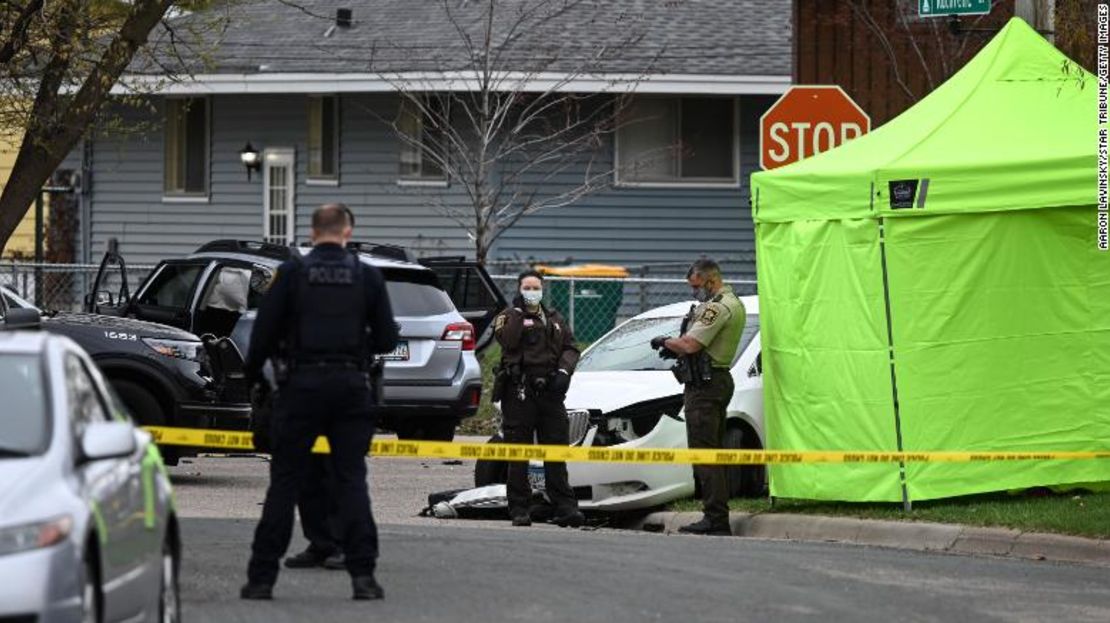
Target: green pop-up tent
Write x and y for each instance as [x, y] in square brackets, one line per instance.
[936, 286]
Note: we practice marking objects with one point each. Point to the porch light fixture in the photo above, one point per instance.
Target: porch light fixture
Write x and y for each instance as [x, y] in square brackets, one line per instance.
[250, 158]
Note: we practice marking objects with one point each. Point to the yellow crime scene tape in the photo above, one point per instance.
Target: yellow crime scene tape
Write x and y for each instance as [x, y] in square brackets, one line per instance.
[236, 440]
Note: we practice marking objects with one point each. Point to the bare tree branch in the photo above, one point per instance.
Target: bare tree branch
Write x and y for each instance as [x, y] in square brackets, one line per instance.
[860, 8]
[904, 22]
[15, 38]
[500, 140]
[68, 95]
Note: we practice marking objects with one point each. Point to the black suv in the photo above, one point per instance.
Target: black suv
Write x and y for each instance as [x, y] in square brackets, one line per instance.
[443, 306]
[164, 375]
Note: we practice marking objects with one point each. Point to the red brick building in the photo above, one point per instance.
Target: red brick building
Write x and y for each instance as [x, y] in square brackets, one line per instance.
[886, 57]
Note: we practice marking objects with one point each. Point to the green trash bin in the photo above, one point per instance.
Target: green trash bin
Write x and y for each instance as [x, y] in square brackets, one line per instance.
[588, 296]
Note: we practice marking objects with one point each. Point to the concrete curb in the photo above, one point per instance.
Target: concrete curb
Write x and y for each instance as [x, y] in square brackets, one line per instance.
[920, 536]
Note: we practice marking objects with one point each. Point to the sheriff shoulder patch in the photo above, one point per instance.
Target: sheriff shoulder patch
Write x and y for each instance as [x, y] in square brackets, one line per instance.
[708, 316]
[499, 322]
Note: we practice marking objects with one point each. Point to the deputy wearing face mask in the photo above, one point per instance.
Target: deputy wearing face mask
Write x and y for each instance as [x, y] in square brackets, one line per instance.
[711, 333]
[538, 356]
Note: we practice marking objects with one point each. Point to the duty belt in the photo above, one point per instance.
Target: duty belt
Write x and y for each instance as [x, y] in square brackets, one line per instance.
[345, 364]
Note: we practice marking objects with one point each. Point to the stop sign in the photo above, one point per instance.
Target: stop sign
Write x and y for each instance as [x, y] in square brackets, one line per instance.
[808, 120]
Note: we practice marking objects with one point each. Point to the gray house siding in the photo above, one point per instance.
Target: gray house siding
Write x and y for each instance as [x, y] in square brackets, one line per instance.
[629, 226]
[127, 203]
[667, 227]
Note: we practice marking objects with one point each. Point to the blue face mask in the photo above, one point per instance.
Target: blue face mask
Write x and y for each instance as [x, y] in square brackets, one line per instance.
[702, 294]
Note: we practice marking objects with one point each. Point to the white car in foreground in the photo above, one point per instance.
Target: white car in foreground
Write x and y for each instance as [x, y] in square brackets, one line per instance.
[87, 524]
[624, 395]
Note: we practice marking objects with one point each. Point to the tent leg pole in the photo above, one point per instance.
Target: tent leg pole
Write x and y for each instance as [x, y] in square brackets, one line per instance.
[890, 349]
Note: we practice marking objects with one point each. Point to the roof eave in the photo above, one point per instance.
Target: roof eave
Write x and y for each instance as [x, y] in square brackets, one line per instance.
[315, 82]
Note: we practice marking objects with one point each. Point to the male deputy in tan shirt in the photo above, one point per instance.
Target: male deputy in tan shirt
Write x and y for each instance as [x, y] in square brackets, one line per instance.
[716, 327]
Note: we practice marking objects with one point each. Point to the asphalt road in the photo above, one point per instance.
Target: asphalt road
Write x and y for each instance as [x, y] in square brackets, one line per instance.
[465, 570]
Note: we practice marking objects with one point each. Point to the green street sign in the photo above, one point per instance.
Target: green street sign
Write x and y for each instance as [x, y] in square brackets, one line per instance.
[941, 8]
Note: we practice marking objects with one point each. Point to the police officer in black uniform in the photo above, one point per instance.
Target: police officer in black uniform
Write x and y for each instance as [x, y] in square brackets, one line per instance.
[316, 504]
[538, 357]
[331, 312]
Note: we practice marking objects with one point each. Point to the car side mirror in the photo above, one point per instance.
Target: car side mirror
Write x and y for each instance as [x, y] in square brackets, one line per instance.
[107, 440]
[22, 319]
[103, 297]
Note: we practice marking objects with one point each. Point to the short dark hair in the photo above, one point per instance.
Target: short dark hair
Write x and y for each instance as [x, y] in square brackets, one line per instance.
[332, 218]
[531, 272]
[350, 213]
[704, 267]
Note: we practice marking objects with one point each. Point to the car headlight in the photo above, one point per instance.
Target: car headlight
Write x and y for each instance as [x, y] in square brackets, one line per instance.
[178, 349]
[34, 536]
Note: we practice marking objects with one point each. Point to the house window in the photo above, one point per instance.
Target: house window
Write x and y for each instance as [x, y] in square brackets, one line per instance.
[186, 158]
[678, 140]
[323, 137]
[422, 144]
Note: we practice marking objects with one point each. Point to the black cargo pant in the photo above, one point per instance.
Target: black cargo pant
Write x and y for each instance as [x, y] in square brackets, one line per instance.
[335, 402]
[706, 407]
[543, 418]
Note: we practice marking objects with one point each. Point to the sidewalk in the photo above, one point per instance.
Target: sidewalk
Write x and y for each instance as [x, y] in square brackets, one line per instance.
[919, 536]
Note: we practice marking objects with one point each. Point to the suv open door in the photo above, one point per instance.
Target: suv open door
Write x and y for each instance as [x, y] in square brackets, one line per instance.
[100, 299]
[474, 293]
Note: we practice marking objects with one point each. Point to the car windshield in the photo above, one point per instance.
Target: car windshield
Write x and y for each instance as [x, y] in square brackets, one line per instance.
[416, 293]
[23, 427]
[628, 348]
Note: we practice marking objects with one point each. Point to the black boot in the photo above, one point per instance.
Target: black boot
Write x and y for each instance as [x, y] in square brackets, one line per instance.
[336, 562]
[251, 590]
[365, 587]
[708, 526]
[572, 518]
[307, 559]
[522, 520]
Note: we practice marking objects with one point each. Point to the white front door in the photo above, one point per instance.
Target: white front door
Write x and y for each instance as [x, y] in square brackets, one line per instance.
[278, 184]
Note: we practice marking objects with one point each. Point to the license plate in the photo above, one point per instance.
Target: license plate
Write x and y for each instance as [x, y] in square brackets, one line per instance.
[536, 477]
[401, 353]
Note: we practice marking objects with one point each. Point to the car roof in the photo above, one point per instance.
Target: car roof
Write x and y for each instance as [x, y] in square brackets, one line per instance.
[677, 310]
[270, 260]
[23, 342]
[377, 261]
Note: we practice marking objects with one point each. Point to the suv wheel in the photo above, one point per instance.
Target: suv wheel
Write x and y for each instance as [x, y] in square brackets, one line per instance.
[146, 410]
[432, 429]
[439, 429]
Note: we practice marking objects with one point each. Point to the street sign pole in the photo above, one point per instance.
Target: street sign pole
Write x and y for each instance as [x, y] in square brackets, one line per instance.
[944, 8]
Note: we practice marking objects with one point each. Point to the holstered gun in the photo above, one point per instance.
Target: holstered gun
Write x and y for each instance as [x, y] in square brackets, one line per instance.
[504, 377]
[376, 374]
[694, 370]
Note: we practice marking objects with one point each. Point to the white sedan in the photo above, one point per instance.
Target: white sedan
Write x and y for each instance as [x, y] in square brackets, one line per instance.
[87, 528]
[624, 395]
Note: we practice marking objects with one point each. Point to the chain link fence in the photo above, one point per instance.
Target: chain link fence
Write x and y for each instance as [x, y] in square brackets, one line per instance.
[591, 306]
[63, 287]
[594, 306]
